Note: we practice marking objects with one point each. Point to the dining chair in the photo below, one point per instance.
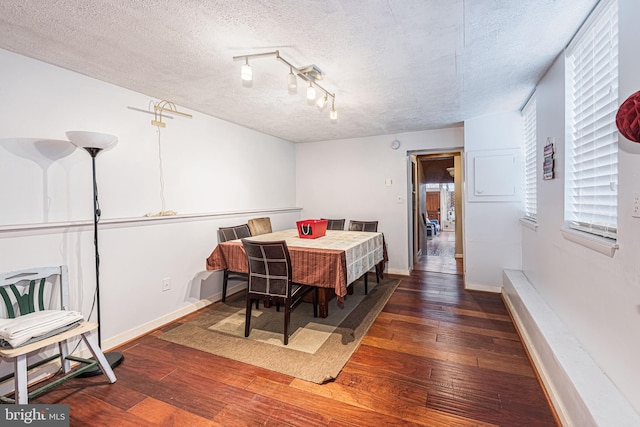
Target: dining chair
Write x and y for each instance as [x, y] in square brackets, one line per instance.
[224, 235]
[270, 281]
[363, 225]
[259, 226]
[335, 224]
[36, 315]
[355, 225]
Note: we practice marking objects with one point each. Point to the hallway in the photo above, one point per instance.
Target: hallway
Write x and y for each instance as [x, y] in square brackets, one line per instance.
[440, 256]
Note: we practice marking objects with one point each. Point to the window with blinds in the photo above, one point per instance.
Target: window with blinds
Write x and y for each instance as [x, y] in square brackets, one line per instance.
[591, 194]
[530, 159]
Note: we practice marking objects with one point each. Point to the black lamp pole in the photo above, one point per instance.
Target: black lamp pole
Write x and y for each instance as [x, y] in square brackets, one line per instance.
[113, 358]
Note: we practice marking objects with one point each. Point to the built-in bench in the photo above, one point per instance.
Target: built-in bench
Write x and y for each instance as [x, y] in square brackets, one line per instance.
[579, 390]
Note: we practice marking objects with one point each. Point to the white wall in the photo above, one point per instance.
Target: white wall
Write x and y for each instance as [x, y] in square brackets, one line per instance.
[596, 296]
[491, 227]
[346, 179]
[216, 173]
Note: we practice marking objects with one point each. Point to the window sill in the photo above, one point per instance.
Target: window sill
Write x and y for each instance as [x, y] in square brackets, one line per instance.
[527, 223]
[599, 244]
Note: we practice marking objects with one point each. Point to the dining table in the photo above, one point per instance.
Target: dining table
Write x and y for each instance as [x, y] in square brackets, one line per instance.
[332, 262]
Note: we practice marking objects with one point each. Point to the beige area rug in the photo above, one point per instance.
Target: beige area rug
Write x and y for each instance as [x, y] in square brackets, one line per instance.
[318, 348]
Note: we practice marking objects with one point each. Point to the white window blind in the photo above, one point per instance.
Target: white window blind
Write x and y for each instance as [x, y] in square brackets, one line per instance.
[591, 196]
[530, 159]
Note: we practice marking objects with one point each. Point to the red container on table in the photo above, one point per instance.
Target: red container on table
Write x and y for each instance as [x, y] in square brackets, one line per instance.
[312, 228]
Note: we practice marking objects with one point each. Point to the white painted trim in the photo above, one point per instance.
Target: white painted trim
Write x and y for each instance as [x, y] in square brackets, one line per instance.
[599, 244]
[156, 323]
[527, 223]
[469, 286]
[580, 392]
[398, 271]
[25, 229]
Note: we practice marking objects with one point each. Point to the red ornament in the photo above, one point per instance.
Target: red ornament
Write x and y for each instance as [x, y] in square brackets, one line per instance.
[628, 118]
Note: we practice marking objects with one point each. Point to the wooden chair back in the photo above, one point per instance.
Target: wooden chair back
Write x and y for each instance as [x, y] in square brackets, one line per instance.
[335, 224]
[269, 268]
[259, 226]
[31, 290]
[224, 235]
[232, 233]
[363, 225]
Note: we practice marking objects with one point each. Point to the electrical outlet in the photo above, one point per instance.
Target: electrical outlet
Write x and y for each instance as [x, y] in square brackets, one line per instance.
[636, 205]
[166, 284]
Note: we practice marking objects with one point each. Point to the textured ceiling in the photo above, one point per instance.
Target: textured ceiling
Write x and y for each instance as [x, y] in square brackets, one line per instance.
[394, 65]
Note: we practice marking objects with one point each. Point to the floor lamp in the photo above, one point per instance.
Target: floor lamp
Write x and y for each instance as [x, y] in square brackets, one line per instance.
[94, 143]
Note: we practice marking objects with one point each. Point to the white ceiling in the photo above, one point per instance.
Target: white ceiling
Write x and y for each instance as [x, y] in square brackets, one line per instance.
[394, 65]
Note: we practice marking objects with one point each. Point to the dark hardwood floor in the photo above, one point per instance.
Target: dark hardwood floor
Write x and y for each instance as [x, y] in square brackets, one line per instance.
[439, 255]
[437, 355]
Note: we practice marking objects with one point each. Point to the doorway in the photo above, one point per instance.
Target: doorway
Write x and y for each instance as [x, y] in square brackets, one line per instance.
[437, 212]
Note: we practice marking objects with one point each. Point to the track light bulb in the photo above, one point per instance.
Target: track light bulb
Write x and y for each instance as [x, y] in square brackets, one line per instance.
[333, 114]
[245, 72]
[292, 81]
[311, 92]
[322, 102]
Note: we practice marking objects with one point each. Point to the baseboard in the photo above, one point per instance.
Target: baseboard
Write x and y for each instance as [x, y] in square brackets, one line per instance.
[580, 392]
[398, 272]
[470, 286]
[136, 332]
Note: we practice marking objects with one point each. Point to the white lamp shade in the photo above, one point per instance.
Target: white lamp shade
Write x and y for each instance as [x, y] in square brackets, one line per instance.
[322, 102]
[87, 139]
[292, 81]
[245, 73]
[311, 93]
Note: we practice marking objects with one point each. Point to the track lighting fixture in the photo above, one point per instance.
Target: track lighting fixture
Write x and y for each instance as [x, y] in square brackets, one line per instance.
[310, 73]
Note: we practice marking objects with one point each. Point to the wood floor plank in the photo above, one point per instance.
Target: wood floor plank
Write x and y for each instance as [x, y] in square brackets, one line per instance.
[461, 390]
[90, 411]
[160, 413]
[387, 317]
[393, 332]
[368, 409]
[384, 403]
[408, 389]
[435, 352]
